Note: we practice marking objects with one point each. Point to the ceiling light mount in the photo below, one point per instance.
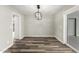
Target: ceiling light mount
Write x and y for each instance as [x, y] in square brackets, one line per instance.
[38, 6]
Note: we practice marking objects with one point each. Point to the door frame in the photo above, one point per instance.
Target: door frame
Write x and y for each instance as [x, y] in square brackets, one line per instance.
[69, 11]
[16, 14]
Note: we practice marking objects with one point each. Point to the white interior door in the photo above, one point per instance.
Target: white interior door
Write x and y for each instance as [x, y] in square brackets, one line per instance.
[16, 27]
[71, 27]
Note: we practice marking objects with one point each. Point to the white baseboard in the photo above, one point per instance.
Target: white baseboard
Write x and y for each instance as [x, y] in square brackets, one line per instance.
[21, 38]
[38, 36]
[59, 39]
[72, 48]
[6, 48]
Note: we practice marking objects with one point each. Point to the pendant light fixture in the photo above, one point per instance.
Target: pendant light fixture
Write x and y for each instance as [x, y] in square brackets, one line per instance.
[38, 14]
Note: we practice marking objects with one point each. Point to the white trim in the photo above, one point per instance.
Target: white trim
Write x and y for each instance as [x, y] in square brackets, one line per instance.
[72, 48]
[21, 38]
[59, 40]
[38, 36]
[65, 29]
[6, 47]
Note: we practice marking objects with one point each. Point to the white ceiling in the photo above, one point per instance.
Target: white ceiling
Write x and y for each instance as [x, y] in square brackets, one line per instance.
[26, 9]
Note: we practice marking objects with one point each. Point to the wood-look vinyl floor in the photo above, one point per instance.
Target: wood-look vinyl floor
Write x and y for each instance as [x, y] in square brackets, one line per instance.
[39, 45]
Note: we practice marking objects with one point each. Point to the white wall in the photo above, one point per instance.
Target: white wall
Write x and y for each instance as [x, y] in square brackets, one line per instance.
[50, 25]
[6, 27]
[39, 28]
[58, 23]
[21, 26]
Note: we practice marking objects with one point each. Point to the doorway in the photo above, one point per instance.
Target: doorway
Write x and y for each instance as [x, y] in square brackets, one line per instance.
[15, 31]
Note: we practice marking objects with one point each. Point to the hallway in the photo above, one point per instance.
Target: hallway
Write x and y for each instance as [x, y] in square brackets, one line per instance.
[39, 45]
